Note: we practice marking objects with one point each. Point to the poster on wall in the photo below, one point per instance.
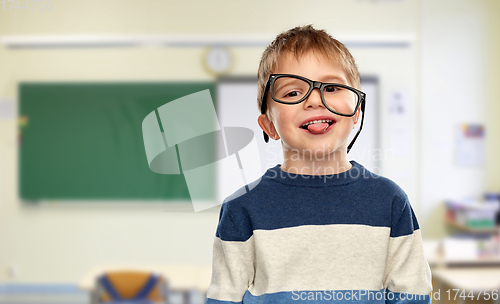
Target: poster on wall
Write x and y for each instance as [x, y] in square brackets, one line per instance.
[469, 145]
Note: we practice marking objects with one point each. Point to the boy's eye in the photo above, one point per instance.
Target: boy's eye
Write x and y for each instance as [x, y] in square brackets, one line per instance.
[331, 89]
[292, 94]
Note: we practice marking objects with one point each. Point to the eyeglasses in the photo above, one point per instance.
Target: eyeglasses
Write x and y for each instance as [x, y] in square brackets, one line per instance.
[340, 99]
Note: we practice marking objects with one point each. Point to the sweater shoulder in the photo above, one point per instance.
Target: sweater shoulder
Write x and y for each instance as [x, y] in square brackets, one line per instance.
[387, 190]
[403, 218]
[245, 194]
[235, 222]
[378, 186]
[382, 183]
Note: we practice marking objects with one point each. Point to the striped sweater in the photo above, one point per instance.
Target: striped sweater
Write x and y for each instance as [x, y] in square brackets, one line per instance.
[291, 238]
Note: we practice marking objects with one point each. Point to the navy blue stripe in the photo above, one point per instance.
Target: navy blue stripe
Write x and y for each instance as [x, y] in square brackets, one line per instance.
[404, 221]
[367, 199]
[331, 296]
[414, 219]
[401, 298]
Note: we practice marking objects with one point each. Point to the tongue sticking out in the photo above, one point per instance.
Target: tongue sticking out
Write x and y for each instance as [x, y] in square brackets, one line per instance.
[317, 128]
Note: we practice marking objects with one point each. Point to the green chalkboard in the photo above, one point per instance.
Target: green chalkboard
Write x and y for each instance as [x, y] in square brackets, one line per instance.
[84, 140]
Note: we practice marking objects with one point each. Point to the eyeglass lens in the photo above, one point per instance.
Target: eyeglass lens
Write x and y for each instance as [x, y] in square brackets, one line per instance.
[339, 99]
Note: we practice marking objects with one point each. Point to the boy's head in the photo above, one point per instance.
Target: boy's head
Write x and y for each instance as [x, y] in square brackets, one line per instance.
[298, 41]
[315, 55]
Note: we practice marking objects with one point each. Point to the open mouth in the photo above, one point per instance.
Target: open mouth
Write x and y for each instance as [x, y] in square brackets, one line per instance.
[328, 121]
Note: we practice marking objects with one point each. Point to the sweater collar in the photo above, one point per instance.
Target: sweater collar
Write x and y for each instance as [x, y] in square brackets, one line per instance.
[356, 172]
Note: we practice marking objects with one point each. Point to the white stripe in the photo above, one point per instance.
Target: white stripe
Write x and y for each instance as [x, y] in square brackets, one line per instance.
[407, 269]
[232, 269]
[319, 257]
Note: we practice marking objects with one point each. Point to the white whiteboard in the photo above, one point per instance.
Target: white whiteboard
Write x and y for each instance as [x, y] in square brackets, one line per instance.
[366, 150]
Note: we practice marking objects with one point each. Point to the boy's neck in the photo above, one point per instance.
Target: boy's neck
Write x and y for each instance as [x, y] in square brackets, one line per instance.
[307, 164]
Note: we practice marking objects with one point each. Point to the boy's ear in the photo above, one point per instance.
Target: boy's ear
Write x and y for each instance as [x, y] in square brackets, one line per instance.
[267, 126]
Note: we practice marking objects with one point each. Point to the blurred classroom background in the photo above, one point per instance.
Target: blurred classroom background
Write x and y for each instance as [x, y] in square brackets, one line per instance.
[73, 74]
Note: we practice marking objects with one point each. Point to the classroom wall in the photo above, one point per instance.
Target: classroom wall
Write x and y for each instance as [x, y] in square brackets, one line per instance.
[459, 68]
[492, 62]
[61, 241]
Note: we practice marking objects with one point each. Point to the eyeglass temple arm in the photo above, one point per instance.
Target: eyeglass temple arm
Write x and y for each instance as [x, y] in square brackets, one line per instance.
[360, 126]
[266, 137]
[263, 111]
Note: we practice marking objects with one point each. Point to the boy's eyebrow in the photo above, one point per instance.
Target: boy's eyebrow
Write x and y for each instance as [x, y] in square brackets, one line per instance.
[334, 78]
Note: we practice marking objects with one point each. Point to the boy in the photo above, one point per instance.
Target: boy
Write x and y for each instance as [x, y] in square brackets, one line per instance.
[317, 227]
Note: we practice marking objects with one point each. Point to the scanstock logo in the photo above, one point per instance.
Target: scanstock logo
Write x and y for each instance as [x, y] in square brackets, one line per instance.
[184, 137]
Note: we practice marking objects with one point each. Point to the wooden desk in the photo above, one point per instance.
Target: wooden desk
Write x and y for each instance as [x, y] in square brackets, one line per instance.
[475, 279]
[436, 258]
[476, 275]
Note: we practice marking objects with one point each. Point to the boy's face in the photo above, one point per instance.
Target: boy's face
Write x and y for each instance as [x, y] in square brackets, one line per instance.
[285, 120]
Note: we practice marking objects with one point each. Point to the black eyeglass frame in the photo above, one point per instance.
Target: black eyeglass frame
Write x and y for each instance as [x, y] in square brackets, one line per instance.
[313, 85]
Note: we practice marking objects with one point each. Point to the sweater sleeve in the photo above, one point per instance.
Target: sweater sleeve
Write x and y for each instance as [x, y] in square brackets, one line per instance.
[407, 274]
[233, 257]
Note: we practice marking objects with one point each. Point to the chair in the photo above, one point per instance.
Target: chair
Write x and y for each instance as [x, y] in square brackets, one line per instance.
[131, 287]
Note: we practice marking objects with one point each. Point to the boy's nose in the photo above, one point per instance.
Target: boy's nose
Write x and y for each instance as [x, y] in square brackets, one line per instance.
[314, 99]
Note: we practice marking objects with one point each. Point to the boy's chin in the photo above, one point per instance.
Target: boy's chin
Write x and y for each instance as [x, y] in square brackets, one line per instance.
[318, 149]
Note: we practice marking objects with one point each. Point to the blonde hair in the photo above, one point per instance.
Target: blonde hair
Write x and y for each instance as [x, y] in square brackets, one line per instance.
[298, 41]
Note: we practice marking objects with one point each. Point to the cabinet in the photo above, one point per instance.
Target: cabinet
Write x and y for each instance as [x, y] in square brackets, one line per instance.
[474, 234]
